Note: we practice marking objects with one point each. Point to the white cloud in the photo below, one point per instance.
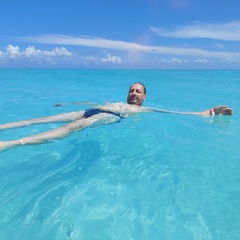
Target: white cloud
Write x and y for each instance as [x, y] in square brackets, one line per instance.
[85, 41]
[174, 60]
[87, 60]
[13, 52]
[226, 31]
[128, 46]
[180, 61]
[113, 59]
[219, 45]
[31, 52]
[201, 60]
[58, 52]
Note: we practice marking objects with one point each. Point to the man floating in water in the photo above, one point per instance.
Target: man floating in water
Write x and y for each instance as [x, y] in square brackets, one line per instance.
[98, 115]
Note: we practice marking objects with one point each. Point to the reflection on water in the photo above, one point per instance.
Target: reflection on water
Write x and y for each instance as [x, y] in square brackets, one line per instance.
[35, 193]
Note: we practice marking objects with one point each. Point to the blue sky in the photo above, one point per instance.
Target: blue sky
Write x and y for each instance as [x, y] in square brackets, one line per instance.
[108, 34]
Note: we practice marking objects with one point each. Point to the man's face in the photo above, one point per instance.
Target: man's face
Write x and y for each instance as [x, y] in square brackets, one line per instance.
[136, 95]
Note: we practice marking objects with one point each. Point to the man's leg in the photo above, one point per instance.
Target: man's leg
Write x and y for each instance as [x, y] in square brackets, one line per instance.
[62, 132]
[65, 117]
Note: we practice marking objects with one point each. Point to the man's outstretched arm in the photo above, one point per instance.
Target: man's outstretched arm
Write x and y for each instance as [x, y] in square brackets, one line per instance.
[219, 110]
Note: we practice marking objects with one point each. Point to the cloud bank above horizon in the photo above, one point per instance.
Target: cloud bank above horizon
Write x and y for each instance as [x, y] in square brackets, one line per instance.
[117, 51]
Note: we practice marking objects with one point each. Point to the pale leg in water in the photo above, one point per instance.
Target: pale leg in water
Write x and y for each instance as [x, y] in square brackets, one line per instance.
[62, 132]
[65, 117]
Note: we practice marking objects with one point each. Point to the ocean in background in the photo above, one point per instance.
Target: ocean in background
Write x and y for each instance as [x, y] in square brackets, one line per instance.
[150, 176]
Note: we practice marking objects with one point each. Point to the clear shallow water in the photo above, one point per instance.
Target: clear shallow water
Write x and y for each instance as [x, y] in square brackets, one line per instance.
[151, 176]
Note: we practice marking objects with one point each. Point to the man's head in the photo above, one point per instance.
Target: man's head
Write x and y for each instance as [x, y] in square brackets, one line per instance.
[136, 94]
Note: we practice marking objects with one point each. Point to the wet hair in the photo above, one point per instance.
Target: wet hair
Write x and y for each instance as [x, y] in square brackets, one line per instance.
[144, 89]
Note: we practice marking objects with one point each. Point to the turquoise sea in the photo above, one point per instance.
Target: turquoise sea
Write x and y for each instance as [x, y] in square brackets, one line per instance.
[151, 176]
